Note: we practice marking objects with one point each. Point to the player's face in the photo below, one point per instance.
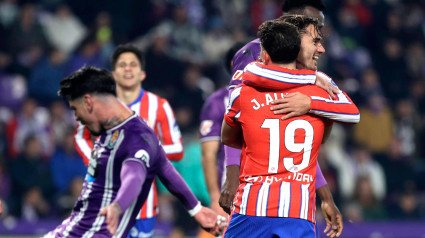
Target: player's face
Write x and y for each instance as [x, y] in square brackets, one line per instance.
[128, 73]
[82, 114]
[311, 49]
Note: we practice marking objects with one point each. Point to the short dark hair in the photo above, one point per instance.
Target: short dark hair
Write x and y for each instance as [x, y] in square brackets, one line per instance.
[301, 22]
[289, 5]
[124, 48]
[87, 79]
[281, 40]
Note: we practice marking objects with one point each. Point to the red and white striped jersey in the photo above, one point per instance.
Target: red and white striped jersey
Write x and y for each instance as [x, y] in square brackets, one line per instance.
[157, 113]
[279, 157]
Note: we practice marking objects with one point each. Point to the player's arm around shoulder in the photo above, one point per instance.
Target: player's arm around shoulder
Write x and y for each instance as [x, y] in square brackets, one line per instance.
[337, 106]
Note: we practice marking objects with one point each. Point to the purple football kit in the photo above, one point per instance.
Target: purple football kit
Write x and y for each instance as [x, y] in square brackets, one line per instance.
[210, 130]
[132, 141]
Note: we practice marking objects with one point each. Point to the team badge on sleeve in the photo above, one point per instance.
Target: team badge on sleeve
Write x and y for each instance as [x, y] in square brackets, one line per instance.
[206, 126]
[144, 156]
[237, 75]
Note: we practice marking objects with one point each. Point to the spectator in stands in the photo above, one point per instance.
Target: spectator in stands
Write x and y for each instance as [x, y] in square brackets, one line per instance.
[31, 179]
[66, 164]
[31, 120]
[44, 79]
[376, 128]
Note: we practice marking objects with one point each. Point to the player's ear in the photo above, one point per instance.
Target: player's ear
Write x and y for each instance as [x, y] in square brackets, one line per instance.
[266, 58]
[142, 76]
[88, 102]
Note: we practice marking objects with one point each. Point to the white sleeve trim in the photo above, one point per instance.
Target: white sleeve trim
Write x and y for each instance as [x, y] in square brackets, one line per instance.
[192, 212]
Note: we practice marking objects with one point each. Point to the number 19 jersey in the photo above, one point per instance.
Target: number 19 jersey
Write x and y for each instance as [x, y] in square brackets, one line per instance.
[278, 170]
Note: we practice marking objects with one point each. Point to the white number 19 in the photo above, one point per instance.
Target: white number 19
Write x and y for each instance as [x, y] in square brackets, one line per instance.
[288, 162]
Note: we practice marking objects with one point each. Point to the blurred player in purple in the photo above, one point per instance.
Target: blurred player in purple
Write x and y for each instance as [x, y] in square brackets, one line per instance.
[210, 129]
[125, 159]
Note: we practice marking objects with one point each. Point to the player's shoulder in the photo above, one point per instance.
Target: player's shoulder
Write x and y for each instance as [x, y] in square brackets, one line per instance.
[157, 98]
[311, 90]
[153, 95]
[137, 131]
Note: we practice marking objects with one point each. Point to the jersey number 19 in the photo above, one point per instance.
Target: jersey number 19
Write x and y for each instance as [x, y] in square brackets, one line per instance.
[288, 162]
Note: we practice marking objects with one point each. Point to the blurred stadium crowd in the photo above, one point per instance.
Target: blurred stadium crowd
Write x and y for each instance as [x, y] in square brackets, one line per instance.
[375, 51]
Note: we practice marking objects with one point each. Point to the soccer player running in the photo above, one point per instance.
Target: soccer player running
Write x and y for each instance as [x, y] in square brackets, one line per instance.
[276, 195]
[127, 63]
[341, 109]
[126, 158]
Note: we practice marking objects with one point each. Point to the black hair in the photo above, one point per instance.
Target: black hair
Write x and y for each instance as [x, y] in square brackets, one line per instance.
[124, 49]
[87, 79]
[281, 40]
[301, 22]
[230, 54]
[289, 5]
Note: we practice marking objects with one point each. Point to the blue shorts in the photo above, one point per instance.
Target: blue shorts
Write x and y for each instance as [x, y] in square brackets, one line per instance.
[143, 228]
[252, 226]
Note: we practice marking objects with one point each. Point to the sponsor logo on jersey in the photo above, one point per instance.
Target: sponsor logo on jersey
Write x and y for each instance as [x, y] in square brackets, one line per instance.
[206, 126]
[253, 179]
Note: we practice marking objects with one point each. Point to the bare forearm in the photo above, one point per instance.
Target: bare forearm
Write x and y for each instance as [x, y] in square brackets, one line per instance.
[229, 188]
[209, 166]
[325, 194]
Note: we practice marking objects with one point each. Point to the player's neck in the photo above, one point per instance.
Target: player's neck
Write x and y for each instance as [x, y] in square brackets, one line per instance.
[113, 113]
[128, 95]
[291, 65]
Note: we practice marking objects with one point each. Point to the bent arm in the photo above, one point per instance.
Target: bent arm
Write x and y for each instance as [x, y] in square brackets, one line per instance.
[231, 135]
[341, 110]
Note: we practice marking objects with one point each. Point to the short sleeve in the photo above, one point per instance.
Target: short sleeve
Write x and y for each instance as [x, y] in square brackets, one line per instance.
[212, 116]
[233, 110]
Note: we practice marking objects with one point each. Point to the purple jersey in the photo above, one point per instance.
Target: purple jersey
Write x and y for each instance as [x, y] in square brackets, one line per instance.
[250, 52]
[132, 140]
[211, 118]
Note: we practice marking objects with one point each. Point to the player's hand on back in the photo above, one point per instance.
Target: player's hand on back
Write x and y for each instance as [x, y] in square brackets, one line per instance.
[112, 213]
[325, 82]
[210, 221]
[292, 105]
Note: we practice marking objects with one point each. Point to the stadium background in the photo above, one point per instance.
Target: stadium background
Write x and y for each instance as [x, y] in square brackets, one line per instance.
[375, 51]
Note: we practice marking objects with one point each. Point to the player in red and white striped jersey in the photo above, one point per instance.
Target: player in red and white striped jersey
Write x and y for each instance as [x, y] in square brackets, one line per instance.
[271, 187]
[127, 63]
